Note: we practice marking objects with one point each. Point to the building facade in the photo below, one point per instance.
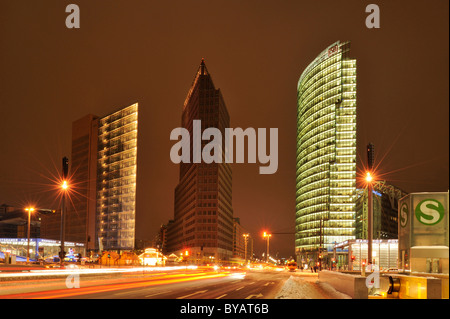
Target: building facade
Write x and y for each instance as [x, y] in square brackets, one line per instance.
[242, 248]
[116, 179]
[102, 187]
[326, 152]
[81, 213]
[385, 211]
[203, 214]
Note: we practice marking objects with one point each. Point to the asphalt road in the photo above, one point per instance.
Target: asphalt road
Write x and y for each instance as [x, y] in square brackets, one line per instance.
[252, 285]
[178, 284]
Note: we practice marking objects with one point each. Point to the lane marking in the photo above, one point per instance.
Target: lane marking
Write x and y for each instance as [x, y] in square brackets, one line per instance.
[260, 295]
[221, 296]
[193, 294]
[158, 293]
[126, 292]
[240, 288]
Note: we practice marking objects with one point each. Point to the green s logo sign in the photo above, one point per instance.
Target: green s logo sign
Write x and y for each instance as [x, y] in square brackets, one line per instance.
[404, 212]
[429, 212]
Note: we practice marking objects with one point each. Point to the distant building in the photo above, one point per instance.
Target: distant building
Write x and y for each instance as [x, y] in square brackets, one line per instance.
[14, 223]
[385, 211]
[239, 241]
[203, 213]
[326, 152]
[101, 210]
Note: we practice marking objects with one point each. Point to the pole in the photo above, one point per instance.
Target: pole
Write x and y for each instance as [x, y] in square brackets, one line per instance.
[267, 257]
[62, 235]
[28, 245]
[245, 250]
[369, 224]
[320, 244]
[65, 171]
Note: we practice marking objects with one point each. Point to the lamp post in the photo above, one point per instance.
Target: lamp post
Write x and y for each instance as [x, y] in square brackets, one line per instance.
[267, 236]
[245, 250]
[62, 254]
[64, 186]
[369, 180]
[29, 210]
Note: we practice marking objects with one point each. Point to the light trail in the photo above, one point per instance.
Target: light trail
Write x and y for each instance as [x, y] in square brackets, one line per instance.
[154, 281]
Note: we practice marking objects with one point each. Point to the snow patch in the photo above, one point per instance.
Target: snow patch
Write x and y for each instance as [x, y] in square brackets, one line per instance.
[298, 288]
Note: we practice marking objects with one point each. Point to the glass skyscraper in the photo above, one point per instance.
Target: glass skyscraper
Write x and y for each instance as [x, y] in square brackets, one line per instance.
[326, 153]
[116, 179]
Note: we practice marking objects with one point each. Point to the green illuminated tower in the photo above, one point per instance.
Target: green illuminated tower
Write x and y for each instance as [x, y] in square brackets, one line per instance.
[326, 153]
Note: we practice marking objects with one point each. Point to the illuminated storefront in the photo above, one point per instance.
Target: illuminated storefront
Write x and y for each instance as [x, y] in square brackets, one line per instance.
[352, 254]
[39, 248]
[326, 152]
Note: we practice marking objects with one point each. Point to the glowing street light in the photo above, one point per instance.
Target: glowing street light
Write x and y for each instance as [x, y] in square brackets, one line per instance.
[64, 187]
[29, 210]
[370, 180]
[267, 236]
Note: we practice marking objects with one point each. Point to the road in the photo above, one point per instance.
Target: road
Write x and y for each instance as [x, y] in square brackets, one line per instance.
[175, 284]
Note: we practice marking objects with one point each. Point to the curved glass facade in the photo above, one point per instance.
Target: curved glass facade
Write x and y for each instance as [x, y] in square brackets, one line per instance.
[326, 151]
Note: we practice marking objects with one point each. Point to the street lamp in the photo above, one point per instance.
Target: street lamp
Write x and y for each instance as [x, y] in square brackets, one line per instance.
[267, 236]
[369, 180]
[29, 210]
[245, 251]
[64, 187]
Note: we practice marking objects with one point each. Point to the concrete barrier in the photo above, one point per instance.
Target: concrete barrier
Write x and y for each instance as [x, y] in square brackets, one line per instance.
[352, 285]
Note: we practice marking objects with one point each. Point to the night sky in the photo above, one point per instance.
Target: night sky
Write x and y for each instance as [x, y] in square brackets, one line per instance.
[148, 52]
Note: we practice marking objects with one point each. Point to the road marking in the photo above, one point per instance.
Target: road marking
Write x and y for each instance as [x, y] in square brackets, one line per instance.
[124, 293]
[256, 296]
[158, 293]
[221, 296]
[193, 294]
[240, 288]
[266, 284]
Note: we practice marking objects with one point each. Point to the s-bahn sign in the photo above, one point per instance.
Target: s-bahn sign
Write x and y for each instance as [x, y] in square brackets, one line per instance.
[423, 220]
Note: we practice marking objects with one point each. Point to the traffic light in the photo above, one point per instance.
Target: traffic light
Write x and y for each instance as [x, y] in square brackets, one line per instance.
[370, 155]
[186, 253]
[353, 258]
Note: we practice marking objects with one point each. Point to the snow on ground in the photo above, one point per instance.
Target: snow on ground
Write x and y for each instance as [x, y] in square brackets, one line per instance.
[297, 287]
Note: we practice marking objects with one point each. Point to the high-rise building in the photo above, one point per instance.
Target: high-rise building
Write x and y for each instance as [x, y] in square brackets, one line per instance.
[203, 214]
[116, 179]
[384, 213]
[326, 152]
[81, 212]
[101, 207]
